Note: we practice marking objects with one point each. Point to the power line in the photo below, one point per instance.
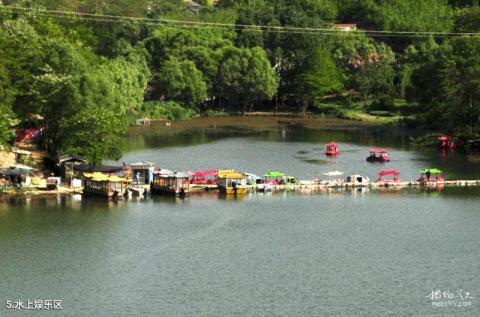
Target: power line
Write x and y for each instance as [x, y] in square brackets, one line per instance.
[230, 26]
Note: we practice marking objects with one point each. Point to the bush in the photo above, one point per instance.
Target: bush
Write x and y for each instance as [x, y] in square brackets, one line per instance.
[168, 110]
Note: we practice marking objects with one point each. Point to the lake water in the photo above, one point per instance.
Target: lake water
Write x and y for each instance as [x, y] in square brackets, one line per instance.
[339, 253]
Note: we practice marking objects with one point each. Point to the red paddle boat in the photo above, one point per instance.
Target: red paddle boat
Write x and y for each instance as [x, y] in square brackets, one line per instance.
[384, 173]
[378, 155]
[446, 142]
[332, 149]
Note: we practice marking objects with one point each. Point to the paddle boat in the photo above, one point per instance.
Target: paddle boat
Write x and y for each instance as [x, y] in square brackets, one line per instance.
[274, 178]
[332, 149]
[384, 173]
[430, 175]
[446, 141]
[358, 180]
[170, 183]
[205, 177]
[271, 179]
[232, 182]
[378, 155]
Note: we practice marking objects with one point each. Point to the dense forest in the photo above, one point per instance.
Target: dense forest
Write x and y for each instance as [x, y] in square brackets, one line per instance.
[88, 75]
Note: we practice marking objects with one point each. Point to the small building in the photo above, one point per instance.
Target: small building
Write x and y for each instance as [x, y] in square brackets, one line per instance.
[232, 182]
[170, 183]
[108, 186]
[142, 173]
[66, 165]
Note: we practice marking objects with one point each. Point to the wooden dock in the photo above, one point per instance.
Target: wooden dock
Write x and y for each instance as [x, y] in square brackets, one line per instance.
[344, 185]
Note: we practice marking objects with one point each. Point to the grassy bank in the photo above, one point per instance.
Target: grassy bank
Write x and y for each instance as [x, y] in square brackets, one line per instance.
[377, 112]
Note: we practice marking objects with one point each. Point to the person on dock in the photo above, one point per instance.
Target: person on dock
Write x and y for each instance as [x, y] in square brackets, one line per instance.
[428, 174]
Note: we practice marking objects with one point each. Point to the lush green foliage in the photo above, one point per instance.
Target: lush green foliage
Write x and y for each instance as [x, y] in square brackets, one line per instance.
[87, 77]
[168, 110]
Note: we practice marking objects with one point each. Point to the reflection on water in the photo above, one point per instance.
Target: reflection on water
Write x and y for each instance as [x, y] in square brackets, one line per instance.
[374, 136]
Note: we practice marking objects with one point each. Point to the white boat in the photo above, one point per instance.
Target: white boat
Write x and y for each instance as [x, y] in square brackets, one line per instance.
[358, 180]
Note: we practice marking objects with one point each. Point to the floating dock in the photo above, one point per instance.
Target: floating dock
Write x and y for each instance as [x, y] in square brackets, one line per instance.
[345, 185]
[142, 190]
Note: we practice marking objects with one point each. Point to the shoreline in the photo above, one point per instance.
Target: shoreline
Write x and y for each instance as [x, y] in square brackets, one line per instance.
[254, 121]
[38, 191]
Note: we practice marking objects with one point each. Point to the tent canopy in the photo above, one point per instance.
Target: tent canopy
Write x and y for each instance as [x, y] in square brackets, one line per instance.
[433, 171]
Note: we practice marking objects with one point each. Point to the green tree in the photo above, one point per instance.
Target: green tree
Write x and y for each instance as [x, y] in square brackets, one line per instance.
[375, 73]
[468, 20]
[319, 76]
[246, 77]
[181, 81]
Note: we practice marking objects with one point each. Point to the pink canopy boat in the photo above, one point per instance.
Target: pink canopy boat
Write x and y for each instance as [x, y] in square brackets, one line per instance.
[384, 173]
[378, 155]
[207, 177]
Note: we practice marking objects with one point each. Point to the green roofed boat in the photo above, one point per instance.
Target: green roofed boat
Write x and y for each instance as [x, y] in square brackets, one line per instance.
[274, 174]
[431, 175]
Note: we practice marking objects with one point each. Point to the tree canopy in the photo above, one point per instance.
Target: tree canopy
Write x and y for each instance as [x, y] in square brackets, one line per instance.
[89, 75]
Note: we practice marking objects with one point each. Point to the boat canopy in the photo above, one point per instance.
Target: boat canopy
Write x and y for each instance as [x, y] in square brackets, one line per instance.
[101, 177]
[232, 174]
[378, 151]
[389, 172]
[444, 138]
[331, 144]
[204, 173]
[433, 171]
[274, 174]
